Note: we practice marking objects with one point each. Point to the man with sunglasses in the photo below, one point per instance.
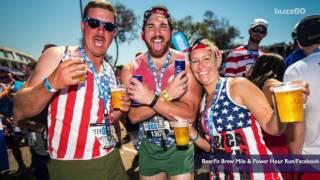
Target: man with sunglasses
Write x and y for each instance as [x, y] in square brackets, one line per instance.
[241, 59]
[162, 97]
[80, 137]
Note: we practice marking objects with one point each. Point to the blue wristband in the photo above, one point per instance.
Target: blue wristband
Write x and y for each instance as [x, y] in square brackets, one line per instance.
[48, 86]
[196, 138]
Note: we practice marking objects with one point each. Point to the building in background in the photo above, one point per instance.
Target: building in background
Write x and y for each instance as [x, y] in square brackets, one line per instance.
[14, 59]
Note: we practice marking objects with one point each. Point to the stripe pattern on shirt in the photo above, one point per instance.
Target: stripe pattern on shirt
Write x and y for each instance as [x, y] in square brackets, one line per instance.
[70, 113]
[240, 61]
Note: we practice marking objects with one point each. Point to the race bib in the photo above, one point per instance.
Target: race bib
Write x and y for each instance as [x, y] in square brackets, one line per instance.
[104, 132]
[157, 129]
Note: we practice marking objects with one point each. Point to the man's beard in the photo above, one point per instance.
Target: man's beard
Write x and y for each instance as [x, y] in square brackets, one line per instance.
[255, 41]
[162, 52]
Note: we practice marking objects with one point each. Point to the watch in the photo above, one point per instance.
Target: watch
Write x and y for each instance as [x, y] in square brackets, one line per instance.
[48, 86]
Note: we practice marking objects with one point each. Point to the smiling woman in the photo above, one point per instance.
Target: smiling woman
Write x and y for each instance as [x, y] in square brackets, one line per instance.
[230, 113]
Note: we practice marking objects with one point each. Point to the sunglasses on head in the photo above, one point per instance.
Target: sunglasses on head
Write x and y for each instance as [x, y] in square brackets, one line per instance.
[95, 23]
[257, 30]
[156, 9]
[197, 41]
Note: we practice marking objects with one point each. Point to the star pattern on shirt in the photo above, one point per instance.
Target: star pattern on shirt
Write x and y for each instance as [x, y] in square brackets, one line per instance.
[228, 116]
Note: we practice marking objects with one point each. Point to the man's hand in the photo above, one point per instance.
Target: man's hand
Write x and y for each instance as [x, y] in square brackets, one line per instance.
[139, 92]
[178, 86]
[66, 74]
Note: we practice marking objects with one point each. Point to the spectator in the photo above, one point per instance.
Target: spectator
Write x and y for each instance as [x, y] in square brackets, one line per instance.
[241, 59]
[306, 135]
[297, 53]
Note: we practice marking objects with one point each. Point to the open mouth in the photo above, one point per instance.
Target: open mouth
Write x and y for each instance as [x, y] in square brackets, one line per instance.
[202, 73]
[157, 43]
[98, 41]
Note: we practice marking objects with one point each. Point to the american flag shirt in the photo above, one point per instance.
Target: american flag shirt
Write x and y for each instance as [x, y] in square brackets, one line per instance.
[70, 114]
[235, 132]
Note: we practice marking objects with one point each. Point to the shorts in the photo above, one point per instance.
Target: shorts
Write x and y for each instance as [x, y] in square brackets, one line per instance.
[154, 160]
[108, 167]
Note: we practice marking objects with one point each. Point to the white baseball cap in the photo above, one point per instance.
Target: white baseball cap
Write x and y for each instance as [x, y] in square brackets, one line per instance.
[259, 21]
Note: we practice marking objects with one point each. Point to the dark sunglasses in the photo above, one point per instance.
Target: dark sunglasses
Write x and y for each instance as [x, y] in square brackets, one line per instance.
[257, 30]
[95, 23]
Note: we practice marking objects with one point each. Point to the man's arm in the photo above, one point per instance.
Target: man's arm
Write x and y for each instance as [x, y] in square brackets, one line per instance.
[34, 97]
[185, 107]
[295, 131]
[140, 113]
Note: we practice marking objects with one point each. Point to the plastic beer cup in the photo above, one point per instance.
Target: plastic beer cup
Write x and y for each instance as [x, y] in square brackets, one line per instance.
[289, 103]
[116, 94]
[76, 55]
[181, 132]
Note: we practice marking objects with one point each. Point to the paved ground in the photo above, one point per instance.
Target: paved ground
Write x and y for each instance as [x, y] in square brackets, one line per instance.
[127, 151]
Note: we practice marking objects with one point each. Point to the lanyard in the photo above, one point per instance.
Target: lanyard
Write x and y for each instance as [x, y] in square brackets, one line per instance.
[251, 52]
[154, 71]
[209, 117]
[102, 83]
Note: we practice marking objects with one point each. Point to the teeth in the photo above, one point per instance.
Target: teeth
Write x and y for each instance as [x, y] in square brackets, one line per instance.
[203, 72]
[98, 42]
[157, 40]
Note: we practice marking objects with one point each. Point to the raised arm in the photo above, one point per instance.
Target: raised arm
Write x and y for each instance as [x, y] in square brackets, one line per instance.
[34, 97]
[187, 106]
[184, 89]
[249, 95]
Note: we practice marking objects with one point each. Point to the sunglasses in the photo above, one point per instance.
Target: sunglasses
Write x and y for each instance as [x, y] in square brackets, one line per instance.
[95, 23]
[196, 42]
[257, 30]
[155, 9]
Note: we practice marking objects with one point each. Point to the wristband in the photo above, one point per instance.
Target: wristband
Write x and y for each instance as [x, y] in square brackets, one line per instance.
[166, 96]
[48, 86]
[154, 101]
[195, 138]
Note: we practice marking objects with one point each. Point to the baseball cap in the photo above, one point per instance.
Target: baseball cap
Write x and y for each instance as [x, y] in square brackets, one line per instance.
[308, 30]
[259, 21]
[294, 32]
[159, 9]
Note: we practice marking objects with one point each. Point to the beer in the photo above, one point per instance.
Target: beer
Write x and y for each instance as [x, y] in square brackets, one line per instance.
[76, 55]
[116, 94]
[181, 133]
[139, 78]
[289, 103]
[179, 66]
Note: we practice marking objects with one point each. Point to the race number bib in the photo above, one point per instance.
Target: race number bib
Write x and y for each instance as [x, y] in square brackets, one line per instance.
[104, 132]
[157, 128]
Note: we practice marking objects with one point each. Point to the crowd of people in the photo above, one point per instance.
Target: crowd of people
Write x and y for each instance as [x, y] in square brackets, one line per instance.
[72, 126]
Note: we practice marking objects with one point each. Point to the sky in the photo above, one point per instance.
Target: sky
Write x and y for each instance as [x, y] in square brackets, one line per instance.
[27, 25]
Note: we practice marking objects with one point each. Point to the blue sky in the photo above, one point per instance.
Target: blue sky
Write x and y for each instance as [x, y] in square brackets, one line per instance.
[27, 25]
